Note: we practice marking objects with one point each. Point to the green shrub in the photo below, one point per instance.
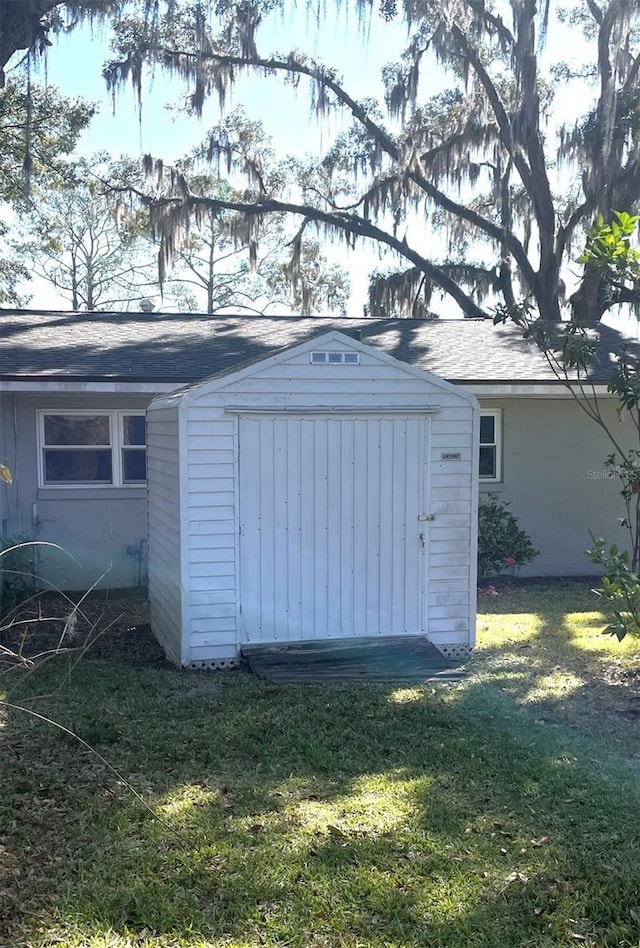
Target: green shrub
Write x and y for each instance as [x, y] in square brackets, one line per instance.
[17, 572]
[501, 542]
[620, 589]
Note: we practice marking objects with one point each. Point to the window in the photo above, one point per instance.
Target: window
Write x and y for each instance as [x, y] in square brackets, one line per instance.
[133, 447]
[92, 448]
[490, 459]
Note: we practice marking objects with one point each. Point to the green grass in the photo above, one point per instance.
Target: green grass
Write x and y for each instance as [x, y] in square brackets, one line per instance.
[502, 811]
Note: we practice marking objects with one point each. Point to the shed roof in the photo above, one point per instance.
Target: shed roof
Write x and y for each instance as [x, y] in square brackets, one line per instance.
[180, 348]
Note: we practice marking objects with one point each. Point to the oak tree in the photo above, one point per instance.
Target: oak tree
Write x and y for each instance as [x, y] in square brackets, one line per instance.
[478, 190]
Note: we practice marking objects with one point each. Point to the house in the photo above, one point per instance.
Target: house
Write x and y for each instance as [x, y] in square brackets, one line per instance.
[74, 389]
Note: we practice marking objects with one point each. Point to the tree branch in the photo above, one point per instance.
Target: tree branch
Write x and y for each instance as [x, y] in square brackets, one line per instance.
[492, 20]
[413, 170]
[348, 223]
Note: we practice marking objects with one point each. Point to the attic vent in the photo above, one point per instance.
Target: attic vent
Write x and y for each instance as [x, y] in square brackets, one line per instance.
[335, 358]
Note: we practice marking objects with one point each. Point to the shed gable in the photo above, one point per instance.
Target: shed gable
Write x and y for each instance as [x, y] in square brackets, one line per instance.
[295, 370]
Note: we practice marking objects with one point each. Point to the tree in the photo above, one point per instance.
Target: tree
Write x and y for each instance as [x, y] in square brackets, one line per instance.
[13, 276]
[38, 129]
[95, 252]
[478, 164]
[213, 260]
[24, 26]
[28, 24]
[249, 266]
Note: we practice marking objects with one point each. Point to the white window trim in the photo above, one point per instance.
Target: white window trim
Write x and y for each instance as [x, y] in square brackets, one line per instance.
[116, 430]
[496, 414]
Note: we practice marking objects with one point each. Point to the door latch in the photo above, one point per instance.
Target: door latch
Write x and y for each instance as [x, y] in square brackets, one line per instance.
[423, 518]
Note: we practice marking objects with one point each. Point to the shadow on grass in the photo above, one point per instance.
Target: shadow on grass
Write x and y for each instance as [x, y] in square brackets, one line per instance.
[543, 648]
[487, 813]
[307, 816]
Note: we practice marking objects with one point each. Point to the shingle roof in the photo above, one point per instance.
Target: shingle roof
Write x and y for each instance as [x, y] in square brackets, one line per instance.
[186, 348]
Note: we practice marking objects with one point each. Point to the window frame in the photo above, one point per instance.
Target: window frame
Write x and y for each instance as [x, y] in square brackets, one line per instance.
[496, 414]
[117, 444]
[123, 447]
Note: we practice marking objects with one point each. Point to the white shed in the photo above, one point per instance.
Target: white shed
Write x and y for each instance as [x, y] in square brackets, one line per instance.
[326, 491]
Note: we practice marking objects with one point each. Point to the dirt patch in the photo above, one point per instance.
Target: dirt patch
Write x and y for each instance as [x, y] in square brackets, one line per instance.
[112, 625]
[505, 585]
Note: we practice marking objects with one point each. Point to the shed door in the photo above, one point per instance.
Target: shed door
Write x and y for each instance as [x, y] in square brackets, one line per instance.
[330, 541]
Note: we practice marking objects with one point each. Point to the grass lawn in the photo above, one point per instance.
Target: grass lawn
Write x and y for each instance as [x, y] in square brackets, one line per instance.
[500, 811]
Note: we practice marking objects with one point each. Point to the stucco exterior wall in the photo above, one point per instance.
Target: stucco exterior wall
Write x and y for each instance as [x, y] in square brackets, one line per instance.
[9, 515]
[95, 525]
[555, 480]
[552, 475]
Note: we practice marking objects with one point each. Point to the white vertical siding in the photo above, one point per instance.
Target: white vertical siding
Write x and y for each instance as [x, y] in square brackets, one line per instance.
[329, 530]
[165, 540]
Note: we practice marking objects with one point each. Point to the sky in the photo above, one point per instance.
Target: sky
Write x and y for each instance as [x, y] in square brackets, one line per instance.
[168, 133]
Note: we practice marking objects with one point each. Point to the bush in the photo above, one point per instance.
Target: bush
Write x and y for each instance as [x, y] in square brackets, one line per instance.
[620, 589]
[501, 542]
[17, 572]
